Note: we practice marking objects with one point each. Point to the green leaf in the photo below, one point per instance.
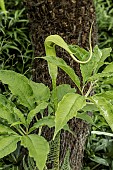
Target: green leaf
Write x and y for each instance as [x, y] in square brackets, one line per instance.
[2, 5]
[108, 81]
[40, 91]
[84, 116]
[6, 110]
[95, 63]
[62, 64]
[99, 76]
[108, 68]
[87, 68]
[108, 95]
[38, 148]
[98, 57]
[6, 46]
[90, 67]
[67, 109]
[19, 86]
[45, 121]
[105, 108]
[20, 115]
[90, 107]
[100, 160]
[105, 54]
[6, 130]
[62, 90]
[8, 144]
[33, 112]
[16, 123]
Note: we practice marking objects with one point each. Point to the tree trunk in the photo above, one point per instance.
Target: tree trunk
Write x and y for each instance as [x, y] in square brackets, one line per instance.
[71, 19]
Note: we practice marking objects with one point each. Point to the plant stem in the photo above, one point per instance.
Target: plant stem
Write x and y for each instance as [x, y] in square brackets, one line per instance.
[89, 90]
[40, 130]
[22, 130]
[55, 96]
[19, 131]
[95, 166]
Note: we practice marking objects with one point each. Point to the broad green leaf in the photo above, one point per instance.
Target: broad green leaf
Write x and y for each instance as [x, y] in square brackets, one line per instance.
[6, 110]
[62, 64]
[16, 123]
[8, 144]
[20, 115]
[90, 68]
[84, 116]
[38, 148]
[105, 54]
[105, 108]
[87, 68]
[108, 95]
[33, 112]
[6, 130]
[90, 107]
[19, 86]
[67, 109]
[108, 68]
[99, 76]
[62, 90]
[96, 62]
[99, 58]
[45, 121]
[40, 91]
[108, 81]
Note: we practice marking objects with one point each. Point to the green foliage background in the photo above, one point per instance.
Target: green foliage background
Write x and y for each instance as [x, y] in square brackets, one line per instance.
[16, 51]
[104, 17]
[98, 152]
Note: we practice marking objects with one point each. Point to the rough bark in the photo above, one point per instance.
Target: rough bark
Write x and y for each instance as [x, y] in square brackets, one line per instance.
[72, 20]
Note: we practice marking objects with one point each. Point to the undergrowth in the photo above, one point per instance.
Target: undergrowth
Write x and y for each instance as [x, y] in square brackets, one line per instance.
[16, 50]
[104, 17]
[16, 53]
[98, 152]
